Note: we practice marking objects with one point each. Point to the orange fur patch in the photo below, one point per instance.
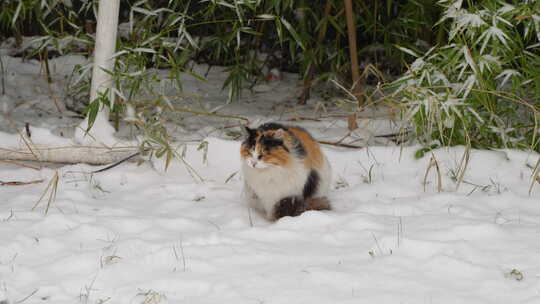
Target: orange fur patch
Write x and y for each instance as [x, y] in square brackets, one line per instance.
[278, 157]
[314, 157]
[318, 203]
[244, 151]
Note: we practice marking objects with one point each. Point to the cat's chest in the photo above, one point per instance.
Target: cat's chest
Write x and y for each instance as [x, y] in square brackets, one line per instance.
[275, 178]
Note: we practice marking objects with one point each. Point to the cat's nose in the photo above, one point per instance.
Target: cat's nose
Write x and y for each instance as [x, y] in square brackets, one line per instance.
[252, 163]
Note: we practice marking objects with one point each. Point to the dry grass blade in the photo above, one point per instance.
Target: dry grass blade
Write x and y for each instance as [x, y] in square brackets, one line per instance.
[230, 177]
[192, 172]
[52, 188]
[433, 163]
[463, 166]
[29, 145]
[535, 176]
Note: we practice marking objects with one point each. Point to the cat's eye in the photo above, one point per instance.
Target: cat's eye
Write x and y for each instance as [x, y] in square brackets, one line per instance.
[259, 157]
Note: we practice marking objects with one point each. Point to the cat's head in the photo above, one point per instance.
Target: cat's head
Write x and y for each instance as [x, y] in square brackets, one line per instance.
[266, 146]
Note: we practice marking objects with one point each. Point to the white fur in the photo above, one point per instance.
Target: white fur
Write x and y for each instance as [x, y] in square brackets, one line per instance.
[265, 185]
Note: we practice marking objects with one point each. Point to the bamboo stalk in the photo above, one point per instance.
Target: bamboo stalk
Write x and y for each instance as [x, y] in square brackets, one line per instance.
[351, 31]
[311, 70]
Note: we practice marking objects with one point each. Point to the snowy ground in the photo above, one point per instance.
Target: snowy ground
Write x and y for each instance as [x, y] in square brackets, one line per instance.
[137, 234]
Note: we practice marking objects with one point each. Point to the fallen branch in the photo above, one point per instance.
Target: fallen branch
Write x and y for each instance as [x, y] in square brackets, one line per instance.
[68, 154]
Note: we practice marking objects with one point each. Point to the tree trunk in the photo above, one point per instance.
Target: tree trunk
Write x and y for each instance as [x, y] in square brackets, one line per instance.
[102, 132]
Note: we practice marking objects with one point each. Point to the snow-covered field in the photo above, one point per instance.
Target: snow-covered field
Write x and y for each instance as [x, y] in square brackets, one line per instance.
[138, 234]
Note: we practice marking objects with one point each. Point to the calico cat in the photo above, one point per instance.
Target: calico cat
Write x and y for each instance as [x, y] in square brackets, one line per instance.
[285, 172]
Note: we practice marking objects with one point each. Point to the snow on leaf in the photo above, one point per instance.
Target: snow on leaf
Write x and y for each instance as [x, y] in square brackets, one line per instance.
[144, 50]
[462, 67]
[266, 16]
[120, 53]
[473, 112]
[536, 20]
[488, 62]
[491, 32]
[501, 19]
[534, 46]
[470, 20]
[467, 86]
[183, 33]
[464, 21]
[440, 77]
[417, 65]
[506, 75]
[144, 11]
[408, 51]
[505, 8]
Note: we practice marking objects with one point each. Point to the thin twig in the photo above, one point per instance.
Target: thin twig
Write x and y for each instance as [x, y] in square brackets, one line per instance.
[300, 118]
[27, 297]
[117, 163]
[3, 77]
[17, 183]
[340, 145]
[534, 176]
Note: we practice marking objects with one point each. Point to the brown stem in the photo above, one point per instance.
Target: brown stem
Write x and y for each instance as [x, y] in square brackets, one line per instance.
[337, 144]
[351, 31]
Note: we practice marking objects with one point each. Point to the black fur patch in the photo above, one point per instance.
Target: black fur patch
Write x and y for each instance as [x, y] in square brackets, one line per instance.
[299, 148]
[272, 126]
[311, 185]
[251, 138]
[289, 206]
[269, 142]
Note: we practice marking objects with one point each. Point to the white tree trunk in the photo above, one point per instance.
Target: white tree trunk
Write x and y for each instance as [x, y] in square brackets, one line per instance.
[102, 132]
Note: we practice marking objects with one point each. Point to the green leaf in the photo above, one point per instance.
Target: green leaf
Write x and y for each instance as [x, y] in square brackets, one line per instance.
[421, 152]
[408, 51]
[293, 33]
[17, 12]
[93, 109]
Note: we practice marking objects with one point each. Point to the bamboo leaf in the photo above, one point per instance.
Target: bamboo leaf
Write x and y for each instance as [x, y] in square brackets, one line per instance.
[293, 32]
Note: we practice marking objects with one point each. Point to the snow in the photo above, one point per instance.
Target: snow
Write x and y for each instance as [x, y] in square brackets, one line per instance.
[101, 134]
[140, 234]
[131, 233]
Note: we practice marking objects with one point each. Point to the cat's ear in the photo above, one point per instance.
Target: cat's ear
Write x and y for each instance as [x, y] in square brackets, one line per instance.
[248, 132]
